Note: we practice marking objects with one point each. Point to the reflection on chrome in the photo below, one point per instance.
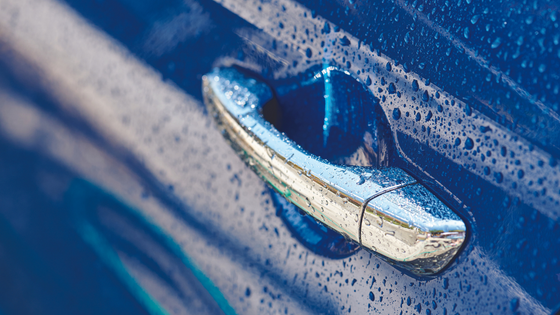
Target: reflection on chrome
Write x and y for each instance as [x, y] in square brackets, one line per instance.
[384, 210]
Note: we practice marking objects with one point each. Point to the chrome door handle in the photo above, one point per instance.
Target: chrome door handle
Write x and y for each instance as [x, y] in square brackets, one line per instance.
[384, 210]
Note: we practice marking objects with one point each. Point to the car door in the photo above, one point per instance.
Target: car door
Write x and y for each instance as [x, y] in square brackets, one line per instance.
[132, 200]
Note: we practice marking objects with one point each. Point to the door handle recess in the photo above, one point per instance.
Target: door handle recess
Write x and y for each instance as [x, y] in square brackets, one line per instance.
[384, 210]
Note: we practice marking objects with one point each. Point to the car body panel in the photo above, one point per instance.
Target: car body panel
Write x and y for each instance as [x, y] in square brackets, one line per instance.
[103, 91]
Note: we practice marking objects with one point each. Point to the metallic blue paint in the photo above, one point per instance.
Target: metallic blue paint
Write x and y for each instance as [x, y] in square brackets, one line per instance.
[469, 89]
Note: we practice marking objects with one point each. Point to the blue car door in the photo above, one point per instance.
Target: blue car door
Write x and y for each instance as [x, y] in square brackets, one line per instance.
[132, 180]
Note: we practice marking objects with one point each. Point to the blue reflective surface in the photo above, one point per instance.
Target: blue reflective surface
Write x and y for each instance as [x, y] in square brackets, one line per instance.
[67, 245]
[469, 90]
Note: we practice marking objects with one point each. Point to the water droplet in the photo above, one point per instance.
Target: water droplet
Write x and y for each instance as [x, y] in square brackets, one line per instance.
[445, 284]
[469, 144]
[474, 19]
[327, 28]
[503, 151]
[425, 96]
[429, 116]
[496, 43]
[415, 86]
[499, 177]
[308, 53]
[361, 180]
[392, 89]
[514, 304]
[344, 41]
[396, 113]
[407, 37]
[457, 142]
[388, 66]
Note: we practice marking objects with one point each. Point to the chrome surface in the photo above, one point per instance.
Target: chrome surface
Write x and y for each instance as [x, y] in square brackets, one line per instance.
[411, 226]
[385, 210]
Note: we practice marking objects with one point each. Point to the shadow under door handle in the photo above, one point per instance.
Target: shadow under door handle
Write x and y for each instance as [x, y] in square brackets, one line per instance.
[384, 210]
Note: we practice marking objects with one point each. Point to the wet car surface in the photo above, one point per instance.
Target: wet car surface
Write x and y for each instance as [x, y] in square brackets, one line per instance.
[119, 194]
